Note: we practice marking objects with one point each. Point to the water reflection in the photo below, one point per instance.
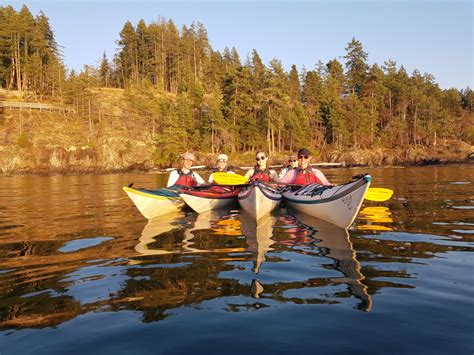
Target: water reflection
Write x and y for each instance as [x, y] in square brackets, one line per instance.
[178, 233]
[258, 235]
[370, 218]
[334, 243]
[72, 249]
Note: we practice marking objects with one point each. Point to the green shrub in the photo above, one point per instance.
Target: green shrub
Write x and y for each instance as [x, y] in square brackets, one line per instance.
[23, 140]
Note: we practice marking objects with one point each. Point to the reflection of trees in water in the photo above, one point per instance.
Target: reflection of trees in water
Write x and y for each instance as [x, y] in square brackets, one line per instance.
[193, 253]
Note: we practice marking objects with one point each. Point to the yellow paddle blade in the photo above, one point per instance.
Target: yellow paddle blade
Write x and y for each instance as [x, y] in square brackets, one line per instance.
[229, 179]
[378, 194]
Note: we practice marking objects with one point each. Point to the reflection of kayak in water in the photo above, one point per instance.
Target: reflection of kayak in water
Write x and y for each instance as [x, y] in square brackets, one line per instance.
[339, 248]
[178, 230]
[155, 227]
[258, 235]
[217, 222]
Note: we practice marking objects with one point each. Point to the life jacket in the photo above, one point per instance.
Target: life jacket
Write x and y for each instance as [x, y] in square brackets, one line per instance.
[187, 179]
[306, 177]
[261, 175]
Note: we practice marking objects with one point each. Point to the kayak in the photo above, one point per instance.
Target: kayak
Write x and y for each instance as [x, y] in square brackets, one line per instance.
[338, 205]
[210, 198]
[259, 199]
[154, 203]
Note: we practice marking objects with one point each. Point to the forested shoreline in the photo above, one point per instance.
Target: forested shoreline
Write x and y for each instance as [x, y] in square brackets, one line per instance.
[167, 90]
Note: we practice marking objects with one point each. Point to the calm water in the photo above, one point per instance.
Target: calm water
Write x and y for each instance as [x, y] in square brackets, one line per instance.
[81, 271]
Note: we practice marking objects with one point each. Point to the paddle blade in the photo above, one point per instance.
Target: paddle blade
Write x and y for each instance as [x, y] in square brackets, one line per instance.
[229, 179]
[378, 194]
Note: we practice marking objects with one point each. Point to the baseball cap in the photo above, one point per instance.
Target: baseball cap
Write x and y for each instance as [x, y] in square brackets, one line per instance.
[188, 156]
[303, 151]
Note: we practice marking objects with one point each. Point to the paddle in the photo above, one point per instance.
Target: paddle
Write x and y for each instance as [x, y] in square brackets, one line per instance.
[377, 194]
[229, 179]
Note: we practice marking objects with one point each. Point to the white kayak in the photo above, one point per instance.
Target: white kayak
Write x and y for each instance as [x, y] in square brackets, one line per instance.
[259, 199]
[210, 198]
[154, 203]
[338, 205]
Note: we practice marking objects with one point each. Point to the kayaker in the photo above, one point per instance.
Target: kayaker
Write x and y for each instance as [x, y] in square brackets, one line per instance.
[260, 172]
[221, 167]
[304, 174]
[292, 164]
[185, 176]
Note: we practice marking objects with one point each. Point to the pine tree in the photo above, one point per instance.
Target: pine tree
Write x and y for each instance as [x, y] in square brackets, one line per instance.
[356, 65]
[105, 71]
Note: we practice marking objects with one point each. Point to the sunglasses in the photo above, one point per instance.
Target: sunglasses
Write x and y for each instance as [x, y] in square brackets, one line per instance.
[222, 161]
[292, 161]
[303, 156]
[261, 158]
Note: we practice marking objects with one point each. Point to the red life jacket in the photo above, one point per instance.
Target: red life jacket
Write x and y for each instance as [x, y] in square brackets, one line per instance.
[306, 177]
[261, 175]
[186, 179]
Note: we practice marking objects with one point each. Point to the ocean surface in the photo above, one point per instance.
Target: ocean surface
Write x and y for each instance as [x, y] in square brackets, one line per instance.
[82, 272]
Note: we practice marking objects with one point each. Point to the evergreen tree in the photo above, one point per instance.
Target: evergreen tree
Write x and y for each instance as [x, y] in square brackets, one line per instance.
[105, 71]
[127, 59]
[356, 65]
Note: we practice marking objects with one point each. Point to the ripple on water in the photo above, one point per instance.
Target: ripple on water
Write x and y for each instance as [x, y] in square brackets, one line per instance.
[420, 237]
[462, 207]
[463, 231]
[79, 244]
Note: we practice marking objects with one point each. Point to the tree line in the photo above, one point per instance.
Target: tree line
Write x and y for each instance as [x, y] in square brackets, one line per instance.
[190, 96]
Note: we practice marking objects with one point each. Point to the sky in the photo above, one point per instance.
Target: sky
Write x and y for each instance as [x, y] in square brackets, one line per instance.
[435, 37]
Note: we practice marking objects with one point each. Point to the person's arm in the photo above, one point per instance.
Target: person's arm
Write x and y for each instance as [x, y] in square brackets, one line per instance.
[249, 173]
[211, 178]
[172, 178]
[282, 173]
[274, 175]
[322, 178]
[198, 178]
[288, 177]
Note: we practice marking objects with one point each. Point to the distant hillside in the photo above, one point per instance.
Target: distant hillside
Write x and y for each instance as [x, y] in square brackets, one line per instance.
[117, 138]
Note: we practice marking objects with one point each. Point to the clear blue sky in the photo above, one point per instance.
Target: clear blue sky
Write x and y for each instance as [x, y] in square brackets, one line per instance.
[432, 36]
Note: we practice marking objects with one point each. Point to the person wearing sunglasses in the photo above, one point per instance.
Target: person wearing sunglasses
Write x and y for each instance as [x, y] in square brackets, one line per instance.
[292, 164]
[221, 167]
[304, 174]
[185, 176]
[260, 172]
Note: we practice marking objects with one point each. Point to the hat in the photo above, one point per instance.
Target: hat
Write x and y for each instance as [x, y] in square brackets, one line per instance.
[222, 157]
[188, 156]
[303, 151]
